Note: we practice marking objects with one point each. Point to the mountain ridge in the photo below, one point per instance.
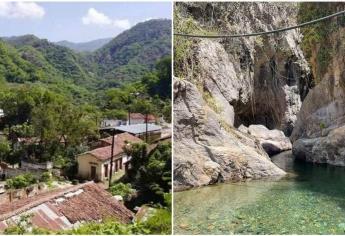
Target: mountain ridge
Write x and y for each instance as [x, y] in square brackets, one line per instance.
[88, 46]
[125, 58]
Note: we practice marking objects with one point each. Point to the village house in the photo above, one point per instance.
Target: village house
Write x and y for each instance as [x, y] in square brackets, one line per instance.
[65, 208]
[138, 118]
[95, 164]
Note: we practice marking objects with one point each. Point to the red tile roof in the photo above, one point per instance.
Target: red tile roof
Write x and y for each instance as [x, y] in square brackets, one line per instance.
[61, 208]
[3, 165]
[94, 204]
[17, 207]
[3, 226]
[104, 153]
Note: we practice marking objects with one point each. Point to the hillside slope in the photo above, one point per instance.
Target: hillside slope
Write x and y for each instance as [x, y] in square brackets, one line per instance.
[125, 58]
[132, 53]
[89, 46]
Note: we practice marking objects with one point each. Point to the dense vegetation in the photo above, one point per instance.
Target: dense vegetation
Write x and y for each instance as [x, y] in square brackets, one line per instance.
[317, 36]
[133, 53]
[85, 46]
[62, 126]
[149, 176]
[58, 96]
[124, 59]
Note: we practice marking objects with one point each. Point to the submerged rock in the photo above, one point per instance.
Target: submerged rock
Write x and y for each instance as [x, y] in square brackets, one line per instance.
[272, 141]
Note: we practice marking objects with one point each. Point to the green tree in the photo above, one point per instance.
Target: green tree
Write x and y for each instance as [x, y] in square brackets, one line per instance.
[151, 172]
[124, 190]
[4, 148]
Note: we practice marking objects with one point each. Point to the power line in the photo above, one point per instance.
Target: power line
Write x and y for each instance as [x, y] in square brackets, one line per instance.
[261, 33]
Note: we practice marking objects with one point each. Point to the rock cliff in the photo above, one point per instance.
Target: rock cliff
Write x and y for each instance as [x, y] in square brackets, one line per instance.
[225, 83]
[207, 150]
[319, 133]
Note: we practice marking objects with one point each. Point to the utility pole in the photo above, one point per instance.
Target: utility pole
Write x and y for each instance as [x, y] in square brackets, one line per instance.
[146, 118]
[129, 101]
[129, 116]
[112, 158]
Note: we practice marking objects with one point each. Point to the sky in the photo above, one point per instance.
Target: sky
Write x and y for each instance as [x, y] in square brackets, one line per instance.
[76, 22]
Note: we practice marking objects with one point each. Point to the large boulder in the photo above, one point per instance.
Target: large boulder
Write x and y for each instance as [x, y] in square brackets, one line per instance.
[329, 149]
[273, 141]
[207, 150]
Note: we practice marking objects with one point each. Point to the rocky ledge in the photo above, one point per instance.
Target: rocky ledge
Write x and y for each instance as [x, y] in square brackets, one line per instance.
[329, 149]
[272, 141]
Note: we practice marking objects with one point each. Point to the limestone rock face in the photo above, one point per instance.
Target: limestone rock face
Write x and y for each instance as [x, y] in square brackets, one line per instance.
[319, 133]
[256, 80]
[272, 141]
[207, 150]
[228, 82]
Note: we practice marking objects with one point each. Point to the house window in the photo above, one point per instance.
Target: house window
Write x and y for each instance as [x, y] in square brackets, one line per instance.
[105, 170]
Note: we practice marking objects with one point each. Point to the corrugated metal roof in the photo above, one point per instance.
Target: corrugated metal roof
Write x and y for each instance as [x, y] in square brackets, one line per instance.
[138, 128]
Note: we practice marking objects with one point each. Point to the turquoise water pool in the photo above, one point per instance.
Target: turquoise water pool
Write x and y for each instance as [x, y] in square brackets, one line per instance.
[309, 200]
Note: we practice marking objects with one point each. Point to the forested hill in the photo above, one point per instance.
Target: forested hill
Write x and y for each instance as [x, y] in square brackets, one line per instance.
[56, 61]
[135, 51]
[89, 46]
[126, 58]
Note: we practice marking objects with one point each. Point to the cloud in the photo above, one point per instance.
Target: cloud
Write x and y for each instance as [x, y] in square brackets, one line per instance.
[123, 24]
[94, 17]
[21, 10]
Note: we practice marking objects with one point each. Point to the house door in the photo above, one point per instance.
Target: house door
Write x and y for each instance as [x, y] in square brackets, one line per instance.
[93, 172]
[116, 166]
[106, 170]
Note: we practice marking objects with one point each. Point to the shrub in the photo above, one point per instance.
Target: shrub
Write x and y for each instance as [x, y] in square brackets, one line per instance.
[160, 222]
[21, 181]
[46, 177]
[124, 190]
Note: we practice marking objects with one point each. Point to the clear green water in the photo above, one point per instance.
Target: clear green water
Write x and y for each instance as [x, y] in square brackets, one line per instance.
[309, 200]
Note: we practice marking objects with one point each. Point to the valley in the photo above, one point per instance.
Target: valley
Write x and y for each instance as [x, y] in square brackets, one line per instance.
[85, 137]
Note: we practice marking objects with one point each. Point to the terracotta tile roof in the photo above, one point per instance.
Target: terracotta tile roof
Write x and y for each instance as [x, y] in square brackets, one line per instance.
[3, 226]
[94, 204]
[104, 153]
[62, 208]
[3, 165]
[17, 207]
